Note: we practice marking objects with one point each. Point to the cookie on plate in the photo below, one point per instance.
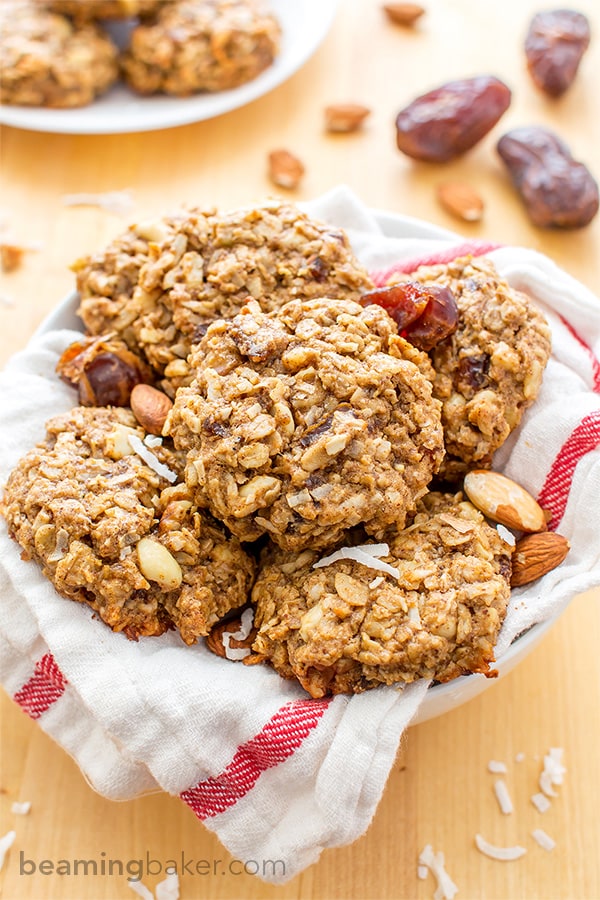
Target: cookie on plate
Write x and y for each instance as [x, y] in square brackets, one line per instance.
[45, 60]
[435, 611]
[161, 284]
[83, 10]
[489, 371]
[113, 531]
[194, 46]
[307, 421]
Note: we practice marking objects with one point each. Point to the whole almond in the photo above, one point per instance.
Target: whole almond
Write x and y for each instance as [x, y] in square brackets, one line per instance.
[215, 637]
[403, 13]
[345, 117]
[503, 500]
[285, 169]
[461, 200]
[150, 407]
[535, 555]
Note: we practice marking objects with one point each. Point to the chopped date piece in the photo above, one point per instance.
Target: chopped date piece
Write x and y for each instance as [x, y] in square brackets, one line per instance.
[425, 315]
[558, 191]
[554, 47]
[448, 121]
[104, 371]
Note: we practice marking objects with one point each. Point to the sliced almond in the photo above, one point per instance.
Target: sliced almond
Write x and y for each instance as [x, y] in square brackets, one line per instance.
[503, 500]
[345, 117]
[150, 407]
[536, 555]
[461, 200]
[403, 13]
[11, 257]
[285, 169]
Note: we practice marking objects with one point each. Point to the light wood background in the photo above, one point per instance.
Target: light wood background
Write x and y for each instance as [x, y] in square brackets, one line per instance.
[439, 790]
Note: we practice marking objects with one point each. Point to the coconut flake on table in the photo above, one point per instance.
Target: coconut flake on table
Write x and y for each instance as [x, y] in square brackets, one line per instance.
[543, 839]
[435, 862]
[141, 890]
[21, 809]
[6, 843]
[168, 889]
[519, 757]
[121, 203]
[541, 802]
[497, 767]
[150, 459]
[553, 771]
[5, 300]
[503, 797]
[505, 854]
[237, 653]
[365, 554]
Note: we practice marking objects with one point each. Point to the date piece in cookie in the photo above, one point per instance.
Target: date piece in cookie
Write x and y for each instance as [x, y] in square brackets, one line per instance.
[46, 61]
[84, 10]
[490, 369]
[345, 628]
[194, 46]
[110, 531]
[159, 285]
[306, 422]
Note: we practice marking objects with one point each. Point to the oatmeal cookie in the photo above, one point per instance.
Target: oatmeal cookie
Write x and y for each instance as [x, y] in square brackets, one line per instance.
[160, 295]
[111, 532]
[345, 628]
[201, 45]
[46, 61]
[84, 10]
[490, 369]
[305, 422]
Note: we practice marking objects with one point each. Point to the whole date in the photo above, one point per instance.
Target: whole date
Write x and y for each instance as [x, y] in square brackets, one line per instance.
[554, 46]
[558, 191]
[448, 121]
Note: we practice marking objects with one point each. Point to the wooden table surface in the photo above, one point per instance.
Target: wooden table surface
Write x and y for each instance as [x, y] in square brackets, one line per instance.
[439, 791]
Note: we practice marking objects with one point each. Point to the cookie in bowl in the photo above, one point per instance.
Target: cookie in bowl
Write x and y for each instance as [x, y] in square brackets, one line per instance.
[46, 60]
[103, 515]
[194, 46]
[160, 284]
[489, 370]
[427, 603]
[307, 421]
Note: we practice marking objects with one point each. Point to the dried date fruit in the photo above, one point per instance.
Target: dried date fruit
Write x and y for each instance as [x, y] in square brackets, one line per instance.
[104, 371]
[448, 121]
[554, 46]
[425, 315]
[558, 191]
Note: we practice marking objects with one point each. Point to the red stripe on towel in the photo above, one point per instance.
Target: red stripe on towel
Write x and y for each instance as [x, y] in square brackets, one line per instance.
[555, 492]
[43, 689]
[469, 248]
[280, 738]
[594, 362]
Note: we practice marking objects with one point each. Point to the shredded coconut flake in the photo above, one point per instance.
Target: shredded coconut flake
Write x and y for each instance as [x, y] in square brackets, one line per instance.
[519, 757]
[121, 203]
[541, 802]
[503, 797]
[365, 554]
[505, 854]
[376, 582]
[506, 535]
[414, 615]
[497, 767]
[543, 839]
[6, 843]
[236, 653]
[168, 889]
[435, 862]
[5, 300]
[21, 809]
[422, 872]
[150, 459]
[141, 890]
[153, 440]
[553, 771]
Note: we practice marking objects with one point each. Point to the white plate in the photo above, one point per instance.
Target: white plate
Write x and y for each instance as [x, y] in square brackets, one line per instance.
[304, 24]
[443, 697]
